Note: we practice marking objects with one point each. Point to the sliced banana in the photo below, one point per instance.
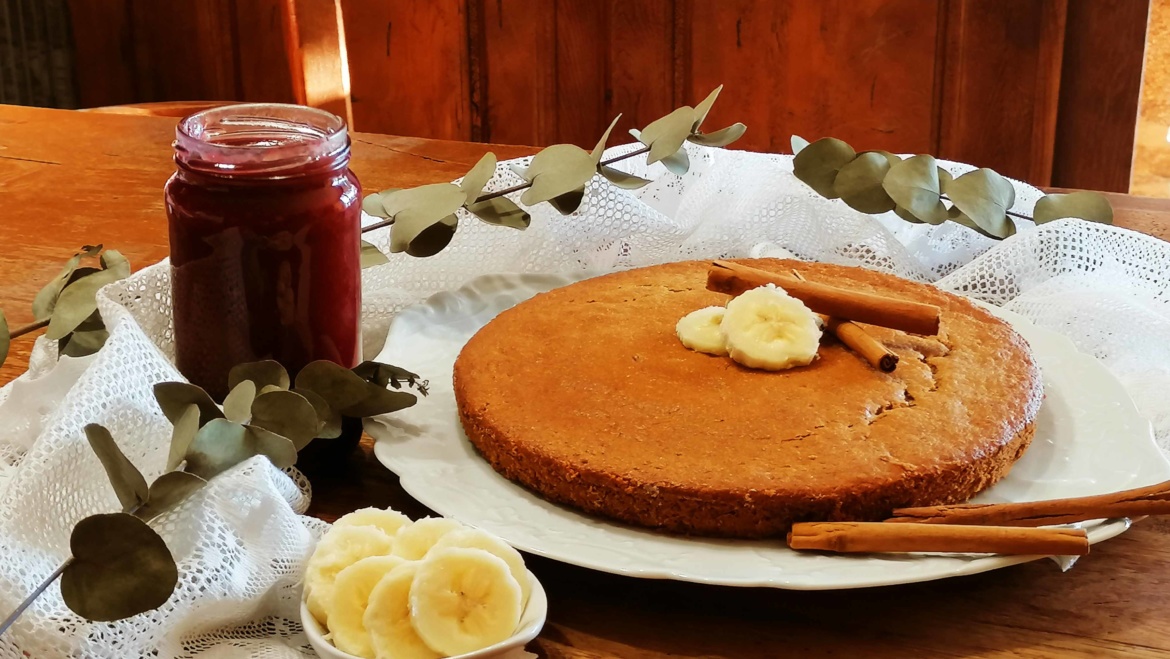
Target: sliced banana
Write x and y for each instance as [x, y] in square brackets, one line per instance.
[351, 595]
[387, 617]
[340, 548]
[463, 600]
[413, 541]
[387, 520]
[768, 329]
[476, 539]
[699, 330]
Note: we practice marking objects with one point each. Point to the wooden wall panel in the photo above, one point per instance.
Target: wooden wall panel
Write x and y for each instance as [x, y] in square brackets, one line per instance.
[103, 48]
[1000, 85]
[1099, 87]
[262, 59]
[642, 47]
[185, 50]
[408, 64]
[860, 70]
[517, 63]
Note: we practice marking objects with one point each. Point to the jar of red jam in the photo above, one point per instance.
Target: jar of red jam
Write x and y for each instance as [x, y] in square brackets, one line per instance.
[265, 225]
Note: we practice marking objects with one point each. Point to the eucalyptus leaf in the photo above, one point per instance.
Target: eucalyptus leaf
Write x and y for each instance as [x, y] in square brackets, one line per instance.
[474, 181]
[339, 386]
[600, 148]
[77, 302]
[416, 209]
[168, 491]
[557, 170]
[328, 419]
[372, 205]
[389, 375]
[112, 259]
[944, 179]
[907, 215]
[798, 144]
[82, 343]
[1085, 205]
[237, 406]
[959, 217]
[817, 164]
[984, 196]
[859, 183]
[46, 298]
[125, 478]
[621, 179]
[92, 322]
[121, 567]
[502, 212]
[380, 401]
[287, 414]
[174, 397]
[435, 238]
[91, 250]
[5, 338]
[222, 444]
[569, 202]
[665, 136]
[721, 137]
[678, 163]
[182, 434]
[913, 185]
[704, 107]
[270, 388]
[371, 255]
[263, 373]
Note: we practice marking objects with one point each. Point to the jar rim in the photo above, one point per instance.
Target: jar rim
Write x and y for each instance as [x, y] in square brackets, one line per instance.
[272, 140]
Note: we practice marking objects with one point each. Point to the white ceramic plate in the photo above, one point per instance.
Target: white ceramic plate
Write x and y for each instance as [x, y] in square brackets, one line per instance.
[1090, 439]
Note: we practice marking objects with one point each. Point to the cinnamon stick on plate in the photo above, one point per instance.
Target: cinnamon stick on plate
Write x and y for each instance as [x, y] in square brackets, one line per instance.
[858, 340]
[905, 315]
[851, 537]
[1152, 500]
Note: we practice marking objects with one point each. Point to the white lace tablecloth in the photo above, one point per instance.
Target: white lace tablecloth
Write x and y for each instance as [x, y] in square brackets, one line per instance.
[241, 542]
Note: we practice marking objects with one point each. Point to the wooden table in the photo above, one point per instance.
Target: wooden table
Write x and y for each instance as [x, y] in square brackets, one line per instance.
[70, 178]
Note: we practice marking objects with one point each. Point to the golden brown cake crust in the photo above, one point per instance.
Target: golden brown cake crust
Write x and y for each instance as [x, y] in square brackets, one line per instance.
[585, 395]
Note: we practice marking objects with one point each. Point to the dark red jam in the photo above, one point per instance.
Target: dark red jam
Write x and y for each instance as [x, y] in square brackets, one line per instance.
[265, 241]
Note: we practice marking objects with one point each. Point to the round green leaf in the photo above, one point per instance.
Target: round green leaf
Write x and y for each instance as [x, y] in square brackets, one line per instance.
[568, 202]
[433, 239]
[984, 196]
[416, 210]
[913, 185]
[502, 212]
[372, 256]
[599, 149]
[389, 375]
[372, 205]
[818, 163]
[237, 406]
[120, 568]
[328, 419]
[621, 179]
[77, 302]
[46, 298]
[798, 144]
[125, 478]
[287, 414]
[5, 338]
[677, 163]
[168, 491]
[959, 217]
[222, 444]
[263, 373]
[339, 386]
[174, 397]
[1085, 205]
[474, 181]
[665, 136]
[182, 434]
[81, 343]
[557, 170]
[721, 137]
[907, 215]
[112, 259]
[859, 183]
[380, 401]
[704, 107]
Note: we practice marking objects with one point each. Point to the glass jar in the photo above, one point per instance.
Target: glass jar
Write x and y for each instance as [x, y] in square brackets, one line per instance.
[265, 229]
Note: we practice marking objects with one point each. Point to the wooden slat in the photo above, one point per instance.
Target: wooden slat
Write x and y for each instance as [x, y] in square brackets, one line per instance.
[581, 72]
[262, 57]
[103, 43]
[519, 64]
[318, 62]
[860, 70]
[1001, 84]
[1100, 79]
[408, 67]
[184, 50]
[641, 63]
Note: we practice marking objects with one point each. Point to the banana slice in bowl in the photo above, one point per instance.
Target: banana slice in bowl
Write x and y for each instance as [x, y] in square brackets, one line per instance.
[531, 622]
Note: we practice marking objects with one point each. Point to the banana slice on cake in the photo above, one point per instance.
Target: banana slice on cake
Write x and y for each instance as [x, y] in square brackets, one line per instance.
[700, 331]
[413, 541]
[387, 617]
[340, 548]
[351, 597]
[463, 600]
[390, 521]
[476, 539]
[768, 329]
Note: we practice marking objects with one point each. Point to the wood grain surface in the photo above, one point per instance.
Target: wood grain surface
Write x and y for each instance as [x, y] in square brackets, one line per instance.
[67, 178]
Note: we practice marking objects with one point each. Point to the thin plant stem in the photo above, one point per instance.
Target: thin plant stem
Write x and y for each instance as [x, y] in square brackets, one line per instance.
[34, 595]
[21, 331]
[1011, 213]
[516, 188]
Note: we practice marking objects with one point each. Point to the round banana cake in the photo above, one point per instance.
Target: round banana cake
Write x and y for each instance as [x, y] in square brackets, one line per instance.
[586, 396]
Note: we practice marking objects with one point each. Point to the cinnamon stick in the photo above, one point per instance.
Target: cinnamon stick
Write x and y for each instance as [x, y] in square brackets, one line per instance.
[905, 315]
[858, 340]
[1152, 500]
[854, 537]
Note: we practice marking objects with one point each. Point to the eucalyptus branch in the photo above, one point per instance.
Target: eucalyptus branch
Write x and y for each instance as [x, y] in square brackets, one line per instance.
[8, 622]
[21, 331]
[1009, 213]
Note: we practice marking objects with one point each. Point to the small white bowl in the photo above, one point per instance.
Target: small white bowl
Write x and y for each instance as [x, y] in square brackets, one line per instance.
[531, 622]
